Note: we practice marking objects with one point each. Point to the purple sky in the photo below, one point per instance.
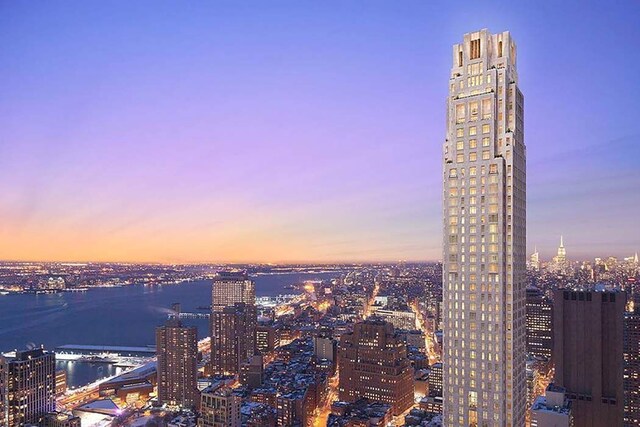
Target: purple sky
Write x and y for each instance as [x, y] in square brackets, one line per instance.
[289, 131]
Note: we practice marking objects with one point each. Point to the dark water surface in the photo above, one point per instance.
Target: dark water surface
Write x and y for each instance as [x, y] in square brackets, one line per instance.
[124, 316]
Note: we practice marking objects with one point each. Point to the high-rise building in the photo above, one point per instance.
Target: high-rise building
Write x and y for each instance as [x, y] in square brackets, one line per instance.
[560, 263]
[484, 236]
[266, 338]
[252, 372]
[61, 382]
[233, 321]
[177, 349]
[632, 367]
[219, 407]
[539, 324]
[373, 364]
[324, 348]
[29, 390]
[230, 287]
[232, 338]
[553, 409]
[588, 354]
[534, 260]
[435, 380]
[3, 391]
[562, 252]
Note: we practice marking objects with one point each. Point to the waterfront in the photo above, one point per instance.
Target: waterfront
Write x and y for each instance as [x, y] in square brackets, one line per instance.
[124, 316]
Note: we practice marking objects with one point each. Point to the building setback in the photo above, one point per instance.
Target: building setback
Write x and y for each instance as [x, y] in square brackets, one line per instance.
[177, 349]
[373, 364]
[588, 354]
[484, 269]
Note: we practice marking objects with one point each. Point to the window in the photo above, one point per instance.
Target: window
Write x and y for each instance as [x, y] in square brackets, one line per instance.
[486, 128]
[460, 132]
[460, 158]
[473, 157]
[460, 113]
[475, 49]
[486, 108]
[473, 130]
[485, 155]
[473, 110]
[500, 49]
[473, 143]
[485, 141]
[460, 145]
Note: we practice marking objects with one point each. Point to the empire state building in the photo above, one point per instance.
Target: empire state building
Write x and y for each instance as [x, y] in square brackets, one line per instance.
[484, 244]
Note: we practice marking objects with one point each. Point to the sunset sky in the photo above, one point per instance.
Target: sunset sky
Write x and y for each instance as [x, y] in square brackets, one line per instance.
[297, 131]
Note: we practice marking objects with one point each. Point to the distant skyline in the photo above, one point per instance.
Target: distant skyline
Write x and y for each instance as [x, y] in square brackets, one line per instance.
[297, 131]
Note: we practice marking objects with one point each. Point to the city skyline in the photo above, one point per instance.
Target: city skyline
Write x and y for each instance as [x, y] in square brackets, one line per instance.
[284, 133]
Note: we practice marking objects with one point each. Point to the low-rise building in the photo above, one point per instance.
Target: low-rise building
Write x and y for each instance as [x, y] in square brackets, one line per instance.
[553, 409]
[219, 407]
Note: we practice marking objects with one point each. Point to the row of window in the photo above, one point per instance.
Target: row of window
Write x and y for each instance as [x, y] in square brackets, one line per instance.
[473, 130]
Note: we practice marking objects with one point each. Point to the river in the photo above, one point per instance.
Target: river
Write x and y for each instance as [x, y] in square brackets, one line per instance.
[125, 316]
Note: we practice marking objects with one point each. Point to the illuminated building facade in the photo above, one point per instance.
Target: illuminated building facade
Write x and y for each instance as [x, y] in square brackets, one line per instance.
[232, 287]
[219, 407]
[177, 349]
[435, 380]
[539, 324]
[61, 382]
[373, 364]
[267, 338]
[59, 419]
[632, 367]
[232, 338]
[484, 236]
[29, 390]
[233, 321]
[534, 260]
[588, 354]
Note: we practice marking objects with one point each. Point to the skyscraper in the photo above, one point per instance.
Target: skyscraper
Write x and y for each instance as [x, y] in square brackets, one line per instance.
[177, 348]
[232, 338]
[234, 320]
[230, 287]
[534, 260]
[29, 390]
[588, 354]
[539, 324]
[632, 367]
[373, 364]
[484, 236]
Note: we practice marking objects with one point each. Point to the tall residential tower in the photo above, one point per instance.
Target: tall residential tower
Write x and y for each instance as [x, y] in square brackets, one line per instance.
[233, 320]
[484, 236]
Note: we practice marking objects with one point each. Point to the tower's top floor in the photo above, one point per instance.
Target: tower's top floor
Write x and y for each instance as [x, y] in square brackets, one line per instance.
[481, 50]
